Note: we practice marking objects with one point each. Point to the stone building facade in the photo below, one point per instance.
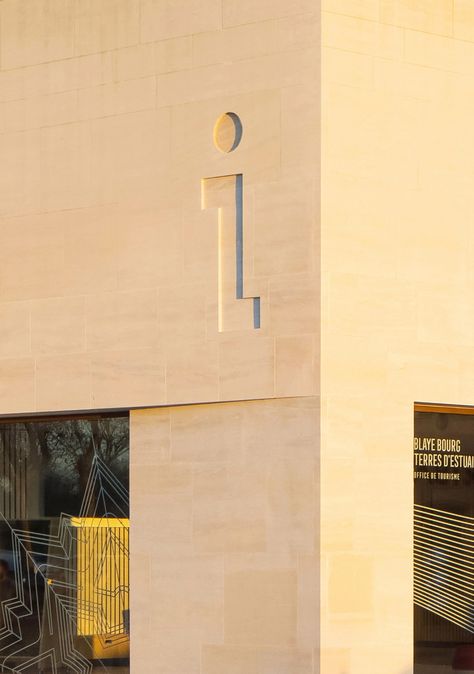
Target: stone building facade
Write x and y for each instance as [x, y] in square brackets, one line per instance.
[266, 293]
[121, 207]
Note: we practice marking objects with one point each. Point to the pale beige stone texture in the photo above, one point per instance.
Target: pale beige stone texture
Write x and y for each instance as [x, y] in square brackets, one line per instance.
[192, 371]
[152, 436]
[267, 72]
[293, 309]
[246, 366]
[436, 51]
[131, 154]
[65, 75]
[396, 318]
[166, 491]
[90, 251]
[280, 249]
[58, 325]
[134, 62]
[235, 659]
[336, 660]
[182, 314]
[209, 434]
[107, 111]
[118, 375]
[246, 11]
[350, 584]
[17, 376]
[173, 54]
[144, 60]
[33, 265]
[363, 36]
[143, 605]
[254, 39]
[199, 250]
[64, 183]
[430, 16]
[406, 79]
[362, 9]
[54, 374]
[13, 116]
[189, 591]
[296, 360]
[349, 68]
[238, 525]
[230, 659]
[15, 334]
[232, 544]
[195, 155]
[463, 27]
[149, 248]
[125, 320]
[100, 25]
[296, 431]
[38, 111]
[161, 19]
[280, 661]
[50, 109]
[260, 607]
[308, 598]
[173, 657]
[300, 145]
[36, 31]
[292, 507]
[109, 298]
[117, 98]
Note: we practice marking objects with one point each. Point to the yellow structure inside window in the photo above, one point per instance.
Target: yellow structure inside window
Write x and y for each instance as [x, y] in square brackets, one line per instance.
[102, 567]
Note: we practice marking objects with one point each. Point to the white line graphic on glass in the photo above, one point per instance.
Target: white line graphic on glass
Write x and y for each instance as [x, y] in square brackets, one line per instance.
[444, 565]
[83, 573]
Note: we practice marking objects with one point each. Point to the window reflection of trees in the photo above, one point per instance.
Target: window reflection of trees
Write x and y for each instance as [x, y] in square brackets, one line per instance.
[45, 465]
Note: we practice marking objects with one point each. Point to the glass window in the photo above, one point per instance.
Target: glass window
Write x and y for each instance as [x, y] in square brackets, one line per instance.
[64, 531]
[443, 539]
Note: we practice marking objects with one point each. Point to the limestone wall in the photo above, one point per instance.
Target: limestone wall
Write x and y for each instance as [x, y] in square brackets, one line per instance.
[114, 235]
[108, 279]
[397, 240]
[225, 538]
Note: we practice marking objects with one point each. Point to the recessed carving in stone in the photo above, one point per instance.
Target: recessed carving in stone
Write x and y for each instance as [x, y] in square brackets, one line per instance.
[236, 311]
[228, 132]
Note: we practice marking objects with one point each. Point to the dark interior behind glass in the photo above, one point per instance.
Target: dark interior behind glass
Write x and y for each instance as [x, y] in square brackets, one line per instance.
[443, 542]
[64, 532]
